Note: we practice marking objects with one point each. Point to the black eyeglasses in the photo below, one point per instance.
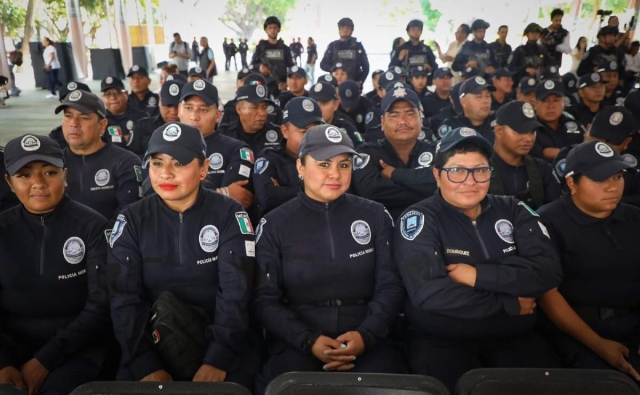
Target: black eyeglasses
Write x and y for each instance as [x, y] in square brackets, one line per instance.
[459, 175]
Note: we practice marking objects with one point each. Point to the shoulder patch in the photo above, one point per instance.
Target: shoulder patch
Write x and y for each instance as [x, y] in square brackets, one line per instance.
[244, 222]
[411, 224]
[504, 229]
[117, 230]
[209, 238]
[361, 232]
[359, 162]
[261, 165]
[247, 154]
[73, 250]
[425, 159]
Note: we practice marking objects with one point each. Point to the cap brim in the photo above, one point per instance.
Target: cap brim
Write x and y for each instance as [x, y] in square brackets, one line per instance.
[606, 170]
[397, 99]
[450, 74]
[327, 153]
[20, 163]
[527, 126]
[306, 121]
[483, 142]
[258, 100]
[322, 97]
[527, 90]
[137, 72]
[298, 74]
[76, 106]
[546, 94]
[170, 101]
[181, 154]
[207, 100]
[479, 90]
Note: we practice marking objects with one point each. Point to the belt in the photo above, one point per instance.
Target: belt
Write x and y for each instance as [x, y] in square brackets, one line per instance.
[604, 313]
[332, 303]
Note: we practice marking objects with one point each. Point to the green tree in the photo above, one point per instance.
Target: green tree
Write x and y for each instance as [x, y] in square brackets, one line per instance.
[432, 16]
[245, 16]
[12, 16]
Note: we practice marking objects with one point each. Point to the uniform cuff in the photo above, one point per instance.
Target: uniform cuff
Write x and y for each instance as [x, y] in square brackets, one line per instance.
[145, 365]
[486, 276]
[221, 357]
[50, 356]
[511, 305]
[368, 338]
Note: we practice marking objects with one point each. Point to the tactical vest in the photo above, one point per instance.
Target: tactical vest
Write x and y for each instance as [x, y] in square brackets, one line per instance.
[348, 57]
[532, 196]
[551, 40]
[274, 58]
[418, 57]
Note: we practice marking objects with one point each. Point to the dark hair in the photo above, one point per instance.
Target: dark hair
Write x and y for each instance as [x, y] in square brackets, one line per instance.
[464, 147]
[48, 40]
[503, 27]
[395, 42]
[176, 35]
[635, 44]
[466, 28]
[578, 43]
[557, 12]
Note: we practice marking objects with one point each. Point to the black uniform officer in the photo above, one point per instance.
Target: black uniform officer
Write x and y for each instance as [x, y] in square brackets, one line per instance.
[275, 178]
[395, 171]
[100, 175]
[54, 301]
[605, 51]
[273, 53]
[554, 36]
[595, 308]
[614, 94]
[196, 73]
[570, 83]
[192, 242]
[330, 293]
[560, 128]
[361, 110]
[591, 91]
[252, 125]
[472, 265]
[500, 47]
[418, 78]
[476, 53]
[515, 172]
[526, 90]
[230, 114]
[447, 112]
[632, 103]
[296, 80]
[375, 80]
[141, 97]
[326, 97]
[475, 99]
[414, 52]
[168, 106]
[615, 126]
[121, 117]
[56, 133]
[433, 102]
[502, 80]
[348, 51]
[530, 59]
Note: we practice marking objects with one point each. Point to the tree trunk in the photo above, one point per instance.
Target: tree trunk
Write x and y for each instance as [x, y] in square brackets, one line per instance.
[29, 27]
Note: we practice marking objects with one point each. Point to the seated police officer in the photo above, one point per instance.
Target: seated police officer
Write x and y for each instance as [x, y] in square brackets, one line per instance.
[595, 308]
[325, 95]
[515, 172]
[473, 265]
[329, 294]
[275, 178]
[433, 102]
[141, 97]
[526, 90]
[192, 242]
[502, 80]
[395, 171]
[56, 133]
[591, 89]
[231, 161]
[296, 80]
[360, 109]
[229, 111]
[100, 175]
[53, 300]
[451, 111]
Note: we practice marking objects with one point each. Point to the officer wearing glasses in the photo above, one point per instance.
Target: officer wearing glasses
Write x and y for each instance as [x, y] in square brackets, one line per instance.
[472, 264]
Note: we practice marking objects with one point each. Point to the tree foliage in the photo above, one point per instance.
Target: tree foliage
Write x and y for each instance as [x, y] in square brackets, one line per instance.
[245, 16]
[13, 17]
[432, 16]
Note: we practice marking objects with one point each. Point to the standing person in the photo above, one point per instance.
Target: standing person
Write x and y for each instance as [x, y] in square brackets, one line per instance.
[530, 59]
[577, 54]
[179, 54]
[51, 66]
[347, 51]
[195, 51]
[227, 54]
[462, 35]
[476, 53]
[243, 48]
[312, 57]
[395, 45]
[296, 51]
[415, 52]
[605, 51]
[555, 38]
[233, 50]
[207, 60]
[500, 46]
[272, 56]
[15, 59]
[632, 63]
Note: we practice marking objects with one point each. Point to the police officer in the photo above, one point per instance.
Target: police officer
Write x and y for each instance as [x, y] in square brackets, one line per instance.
[230, 114]
[476, 53]
[55, 304]
[418, 77]
[560, 128]
[349, 52]
[615, 126]
[141, 97]
[475, 99]
[121, 117]
[275, 178]
[595, 308]
[570, 83]
[56, 133]
[449, 112]
[230, 160]
[296, 81]
[395, 171]
[605, 51]
[100, 175]
[361, 110]
[472, 265]
[500, 47]
[613, 93]
[329, 294]
[529, 59]
[555, 38]
[375, 80]
[273, 54]
[550, 73]
[252, 125]
[330, 79]
[325, 95]
[192, 242]
[591, 89]
[414, 52]
[632, 103]
[526, 90]
[502, 80]
[515, 172]
[433, 102]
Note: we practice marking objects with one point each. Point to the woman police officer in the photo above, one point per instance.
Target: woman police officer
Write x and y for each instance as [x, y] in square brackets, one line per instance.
[596, 308]
[54, 303]
[473, 265]
[192, 242]
[328, 292]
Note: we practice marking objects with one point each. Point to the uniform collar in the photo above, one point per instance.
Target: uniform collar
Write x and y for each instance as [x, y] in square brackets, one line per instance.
[319, 206]
[95, 154]
[485, 204]
[196, 205]
[40, 219]
[582, 218]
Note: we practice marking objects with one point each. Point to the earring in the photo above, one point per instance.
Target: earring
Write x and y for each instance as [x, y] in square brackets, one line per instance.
[202, 176]
[300, 177]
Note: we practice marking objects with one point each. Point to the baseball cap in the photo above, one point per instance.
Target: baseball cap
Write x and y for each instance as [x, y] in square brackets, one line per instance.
[197, 71]
[203, 89]
[337, 66]
[243, 73]
[301, 112]
[608, 66]
[72, 86]
[474, 86]
[470, 72]
[176, 77]
[613, 124]
[527, 85]
[378, 71]
[178, 140]
[85, 102]
[397, 70]
[548, 88]
[502, 72]
[323, 92]
[463, 135]
[595, 160]
[170, 93]
[550, 73]
[111, 83]
[519, 116]
[399, 93]
[349, 93]
[329, 78]
[254, 94]
[632, 103]
[442, 71]
[324, 142]
[479, 24]
[136, 69]
[570, 82]
[418, 71]
[388, 78]
[591, 79]
[255, 79]
[295, 70]
[28, 148]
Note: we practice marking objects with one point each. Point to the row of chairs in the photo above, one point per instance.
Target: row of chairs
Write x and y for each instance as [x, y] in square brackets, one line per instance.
[475, 382]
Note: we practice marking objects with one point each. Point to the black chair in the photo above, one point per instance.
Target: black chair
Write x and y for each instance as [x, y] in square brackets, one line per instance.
[169, 388]
[338, 383]
[545, 381]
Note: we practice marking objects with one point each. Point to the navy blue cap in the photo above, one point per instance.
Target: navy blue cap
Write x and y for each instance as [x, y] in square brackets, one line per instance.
[302, 112]
[388, 78]
[180, 141]
[461, 135]
[475, 86]
[295, 70]
[376, 72]
[337, 66]
[527, 85]
[613, 124]
[442, 71]
[632, 103]
[323, 92]
[255, 79]
[170, 93]
[548, 88]
[595, 160]
[203, 89]
[470, 72]
[590, 80]
[197, 71]
[608, 66]
[479, 24]
[29, 148]
[136, 69]
[349, 93]
[417, 71]
[570, 82]
[323, 142]
[177, 77]
[519, 116]
[243, 73]
[111, 83]
[72, 86]
[254, 94]
[85, 102]
[399, 93]
[330, 79]
[502, 72]
[550, 73]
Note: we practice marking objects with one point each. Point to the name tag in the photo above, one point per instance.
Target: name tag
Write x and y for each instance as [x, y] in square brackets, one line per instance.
[277, 54]
[348, 54]
[417, 59]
